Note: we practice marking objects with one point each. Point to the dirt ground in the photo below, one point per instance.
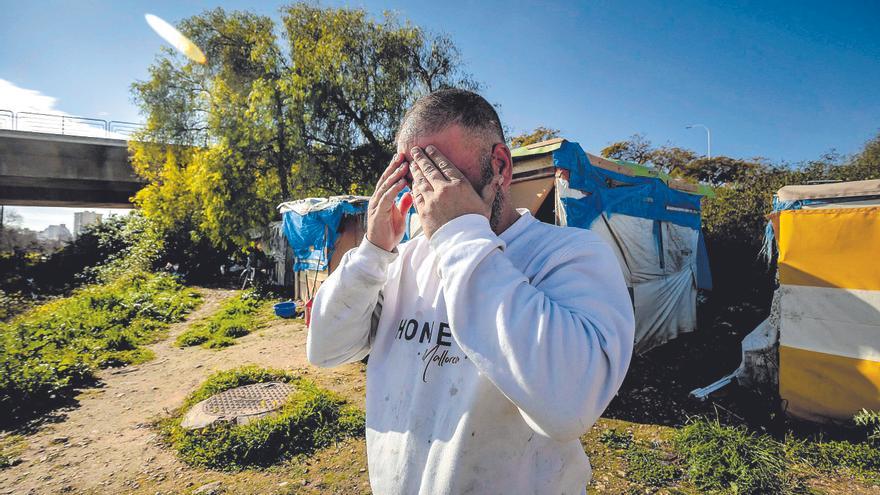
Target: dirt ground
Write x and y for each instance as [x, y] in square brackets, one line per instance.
[104, 443]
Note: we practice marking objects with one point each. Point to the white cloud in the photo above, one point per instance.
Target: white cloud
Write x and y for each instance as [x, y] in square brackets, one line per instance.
[25, 100]
[20, 100]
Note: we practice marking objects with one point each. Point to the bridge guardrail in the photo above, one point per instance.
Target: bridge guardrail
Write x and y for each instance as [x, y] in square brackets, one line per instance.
[68, 125]
[7, 119]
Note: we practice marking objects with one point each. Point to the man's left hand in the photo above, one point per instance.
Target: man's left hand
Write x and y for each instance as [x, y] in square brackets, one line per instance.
[442, 193]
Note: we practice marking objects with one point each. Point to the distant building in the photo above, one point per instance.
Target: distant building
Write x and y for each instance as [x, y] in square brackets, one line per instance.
[83, 219]
[58, 233]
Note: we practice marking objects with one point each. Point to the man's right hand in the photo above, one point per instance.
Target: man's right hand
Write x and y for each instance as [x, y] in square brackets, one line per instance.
[386, 221]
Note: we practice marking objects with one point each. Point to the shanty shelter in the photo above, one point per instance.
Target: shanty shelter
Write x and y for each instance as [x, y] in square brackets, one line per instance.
[822, 340]
[320, 231]
[651, 220]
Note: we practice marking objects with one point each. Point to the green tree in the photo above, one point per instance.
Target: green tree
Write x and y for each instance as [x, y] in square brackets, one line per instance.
[309, 106]
[718, 170]
[680, 162]
[672, 159]
[540, 133]
[635, 149]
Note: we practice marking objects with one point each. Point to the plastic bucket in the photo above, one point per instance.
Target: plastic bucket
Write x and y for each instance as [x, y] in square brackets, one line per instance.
[286, 309]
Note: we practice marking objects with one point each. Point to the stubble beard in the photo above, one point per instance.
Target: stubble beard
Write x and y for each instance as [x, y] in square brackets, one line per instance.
[486, 176]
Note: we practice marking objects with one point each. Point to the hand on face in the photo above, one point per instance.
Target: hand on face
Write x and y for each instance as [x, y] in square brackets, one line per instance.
[442, 193]
[386, 221]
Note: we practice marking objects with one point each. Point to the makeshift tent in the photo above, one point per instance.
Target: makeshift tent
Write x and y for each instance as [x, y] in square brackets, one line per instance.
[821, 344]
[650, 220]
[320, 231]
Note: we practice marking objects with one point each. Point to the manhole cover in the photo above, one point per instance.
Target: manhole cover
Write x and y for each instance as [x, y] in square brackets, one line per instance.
[250, 399]
[240, 405]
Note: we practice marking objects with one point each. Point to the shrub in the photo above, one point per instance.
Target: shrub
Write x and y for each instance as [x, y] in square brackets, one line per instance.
[734, 220]
[48, 350]
[193, 336]
[237, 317]
[13, 303]
[310, 419]
[720, 458]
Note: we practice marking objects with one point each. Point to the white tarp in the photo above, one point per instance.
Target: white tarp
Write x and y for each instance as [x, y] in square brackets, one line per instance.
[307, 205]
[663, 283]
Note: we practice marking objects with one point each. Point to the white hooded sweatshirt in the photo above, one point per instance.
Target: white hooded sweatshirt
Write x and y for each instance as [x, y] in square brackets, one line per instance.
[489, 355]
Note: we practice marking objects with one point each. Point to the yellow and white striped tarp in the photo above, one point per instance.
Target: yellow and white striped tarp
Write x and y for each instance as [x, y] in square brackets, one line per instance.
[829, 345]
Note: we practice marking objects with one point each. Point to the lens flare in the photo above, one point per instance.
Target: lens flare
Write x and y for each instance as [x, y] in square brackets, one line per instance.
[170, 34]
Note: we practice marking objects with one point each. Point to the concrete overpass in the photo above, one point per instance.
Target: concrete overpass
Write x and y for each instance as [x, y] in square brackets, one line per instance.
[40, 169]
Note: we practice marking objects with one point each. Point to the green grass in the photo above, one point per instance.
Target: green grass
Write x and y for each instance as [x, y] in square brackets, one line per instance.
[311, 419]
[705, 456]
[733, 460]
[645, 464]
[11, 448]
[649, 467]
[237, 317]
[48, 350]
[859, 459]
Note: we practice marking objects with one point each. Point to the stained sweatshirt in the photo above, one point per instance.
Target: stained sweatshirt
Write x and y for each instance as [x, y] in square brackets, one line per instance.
[489, 355]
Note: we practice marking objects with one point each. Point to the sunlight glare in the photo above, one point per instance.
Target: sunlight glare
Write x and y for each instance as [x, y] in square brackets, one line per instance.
[170, 34]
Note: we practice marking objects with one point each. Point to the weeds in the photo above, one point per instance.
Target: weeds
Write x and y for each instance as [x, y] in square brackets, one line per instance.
[311, 419]
[615, 439]
[644, 464]
[51, 348]
[236, 318]
[871, 421]
[720, 458]
[648, 466]
[11, 448]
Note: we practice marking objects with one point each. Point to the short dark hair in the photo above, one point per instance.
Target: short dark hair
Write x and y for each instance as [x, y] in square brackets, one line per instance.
[437, 110]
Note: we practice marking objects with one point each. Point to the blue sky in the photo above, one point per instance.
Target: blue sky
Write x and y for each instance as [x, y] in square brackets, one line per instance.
[783, 80]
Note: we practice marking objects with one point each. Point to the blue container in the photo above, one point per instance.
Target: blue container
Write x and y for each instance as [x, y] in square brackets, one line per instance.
[286, 309]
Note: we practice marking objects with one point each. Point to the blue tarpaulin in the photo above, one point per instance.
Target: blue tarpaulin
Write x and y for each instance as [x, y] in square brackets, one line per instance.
[313, 234]
[608, 192]
[311, 227]
[611, 192]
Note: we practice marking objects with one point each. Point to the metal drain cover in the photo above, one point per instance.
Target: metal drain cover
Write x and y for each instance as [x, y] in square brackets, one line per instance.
[239, 405]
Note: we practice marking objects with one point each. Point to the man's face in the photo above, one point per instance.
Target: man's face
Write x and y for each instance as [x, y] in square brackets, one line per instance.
[453, 141]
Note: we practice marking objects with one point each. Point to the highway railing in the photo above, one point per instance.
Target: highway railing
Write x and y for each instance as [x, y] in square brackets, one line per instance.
[68, 125]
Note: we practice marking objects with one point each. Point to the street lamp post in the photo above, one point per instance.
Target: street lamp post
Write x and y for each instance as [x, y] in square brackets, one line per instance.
[708, 138]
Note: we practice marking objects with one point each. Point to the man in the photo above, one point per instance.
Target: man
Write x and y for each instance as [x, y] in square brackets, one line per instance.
[495, 340]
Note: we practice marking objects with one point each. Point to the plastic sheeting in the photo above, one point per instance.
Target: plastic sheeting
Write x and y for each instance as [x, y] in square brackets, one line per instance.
[654, 231]
[662, 276]
[829, 345]
[820, 344]
[611, 193]
[311, 227]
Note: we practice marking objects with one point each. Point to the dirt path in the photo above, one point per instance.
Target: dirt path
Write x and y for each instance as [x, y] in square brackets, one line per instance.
[106, 444]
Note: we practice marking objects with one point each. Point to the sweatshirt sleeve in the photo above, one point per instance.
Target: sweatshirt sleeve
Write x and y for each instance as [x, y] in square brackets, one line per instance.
[345, 305]
[558, 348]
